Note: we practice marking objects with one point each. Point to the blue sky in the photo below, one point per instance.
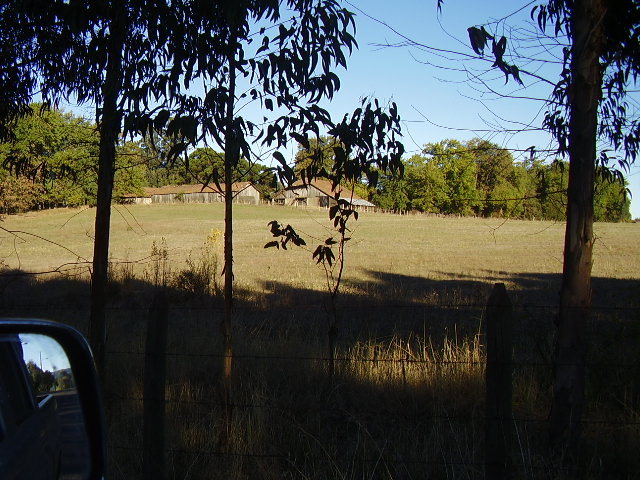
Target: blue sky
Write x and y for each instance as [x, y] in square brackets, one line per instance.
[434, 97]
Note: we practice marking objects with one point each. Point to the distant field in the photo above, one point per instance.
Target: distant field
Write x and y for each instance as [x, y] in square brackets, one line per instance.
[404, 247]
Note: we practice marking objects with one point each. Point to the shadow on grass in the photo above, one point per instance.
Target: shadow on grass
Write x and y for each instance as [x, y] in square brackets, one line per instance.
[407, 399]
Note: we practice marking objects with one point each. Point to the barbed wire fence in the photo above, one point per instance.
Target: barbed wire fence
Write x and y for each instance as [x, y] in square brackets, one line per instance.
[399, 407]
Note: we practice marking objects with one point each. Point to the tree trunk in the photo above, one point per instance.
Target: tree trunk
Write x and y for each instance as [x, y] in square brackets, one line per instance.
[232, 155]
[228, 271]
[575, 294]
[109, 126]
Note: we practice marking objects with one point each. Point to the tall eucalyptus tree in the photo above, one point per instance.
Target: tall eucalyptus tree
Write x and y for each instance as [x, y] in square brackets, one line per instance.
[298, 45]
[130, 59]
[589, 104]
[601, 64]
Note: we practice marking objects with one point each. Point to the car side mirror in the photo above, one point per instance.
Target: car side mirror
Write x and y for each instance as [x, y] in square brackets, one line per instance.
[51, 412]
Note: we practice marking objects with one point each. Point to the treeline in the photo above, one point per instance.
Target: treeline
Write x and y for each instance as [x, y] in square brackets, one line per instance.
[53, 161]
[480, 178]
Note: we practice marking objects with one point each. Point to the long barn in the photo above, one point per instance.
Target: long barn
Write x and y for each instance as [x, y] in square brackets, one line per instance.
[243, 192]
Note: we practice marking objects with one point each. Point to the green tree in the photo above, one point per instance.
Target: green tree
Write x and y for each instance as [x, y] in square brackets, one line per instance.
[56, 151]
[316, 158]
[527, 205]
[494, 163]
[503, 200]
[392, 193]
[18, 194]
[43, 381]
[130, 171]
[207, 166]
[459, 172]
[426, 185]
[552, 180]
[161, 168]
[453, 177]
[494, 182]
[610, 200]
[528, 189]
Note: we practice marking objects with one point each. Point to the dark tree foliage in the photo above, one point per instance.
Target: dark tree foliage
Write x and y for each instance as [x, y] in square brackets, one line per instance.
[131, 59]
[17, 72]
[619, 68]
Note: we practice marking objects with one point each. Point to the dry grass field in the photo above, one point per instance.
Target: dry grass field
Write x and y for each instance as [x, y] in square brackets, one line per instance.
[428, 247]
[407, 398]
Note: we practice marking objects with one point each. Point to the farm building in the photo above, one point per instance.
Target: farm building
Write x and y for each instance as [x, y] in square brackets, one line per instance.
[243, 192]
[318, 193]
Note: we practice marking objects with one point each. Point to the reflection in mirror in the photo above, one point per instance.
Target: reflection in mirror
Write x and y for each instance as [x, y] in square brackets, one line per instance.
[42, 428]
[47, 363]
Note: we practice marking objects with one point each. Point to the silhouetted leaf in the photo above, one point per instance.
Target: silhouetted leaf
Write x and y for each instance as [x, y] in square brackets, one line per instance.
[275, 228]
[333, 211]
[478, 38]
[329, 256]
[301, 139]
[279, 157]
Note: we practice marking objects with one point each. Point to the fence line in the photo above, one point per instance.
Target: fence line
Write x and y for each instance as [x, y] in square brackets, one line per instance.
[444, 418]
[440, 417]
[240, 356]
[345, 306]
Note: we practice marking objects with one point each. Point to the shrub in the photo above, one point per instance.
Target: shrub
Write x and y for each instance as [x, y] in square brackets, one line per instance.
[18, 195]
[200, 277]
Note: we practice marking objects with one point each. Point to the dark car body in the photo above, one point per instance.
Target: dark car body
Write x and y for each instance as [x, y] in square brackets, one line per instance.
[79, 408]
[30, 428]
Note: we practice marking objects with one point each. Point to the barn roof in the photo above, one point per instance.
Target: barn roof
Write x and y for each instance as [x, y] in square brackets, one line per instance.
[326, 187]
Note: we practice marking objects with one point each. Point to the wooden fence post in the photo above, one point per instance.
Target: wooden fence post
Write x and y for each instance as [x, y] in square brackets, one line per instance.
[498, 376]
[153, 461]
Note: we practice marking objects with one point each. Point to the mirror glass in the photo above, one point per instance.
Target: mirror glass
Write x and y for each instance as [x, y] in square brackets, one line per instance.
[42, 427]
